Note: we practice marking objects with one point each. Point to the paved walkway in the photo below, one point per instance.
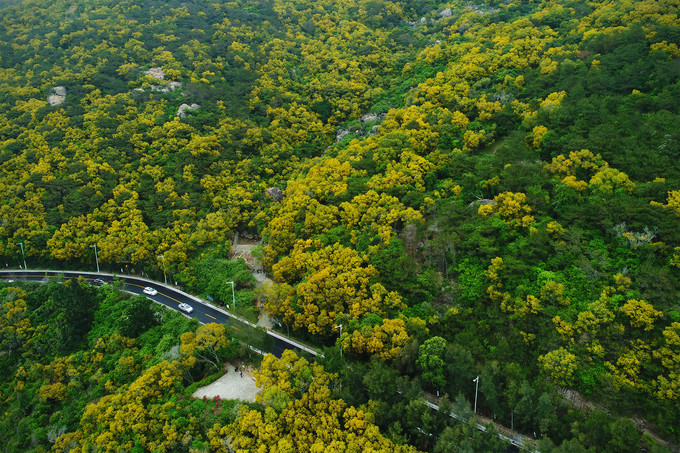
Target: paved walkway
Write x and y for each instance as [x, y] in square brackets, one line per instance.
[231, 386]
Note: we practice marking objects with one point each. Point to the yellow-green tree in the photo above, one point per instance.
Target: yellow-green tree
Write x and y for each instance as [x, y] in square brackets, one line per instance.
[511, 207]
[317, 283]
[383, 340]
[312, 421]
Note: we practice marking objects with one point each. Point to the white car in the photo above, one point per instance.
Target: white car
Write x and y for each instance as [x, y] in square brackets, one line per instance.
[150, 291]
[186, 307]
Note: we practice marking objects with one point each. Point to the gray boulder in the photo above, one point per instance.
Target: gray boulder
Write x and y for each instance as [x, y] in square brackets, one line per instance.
[181, 111]
[341, 134]
[172, 86]
[275, 193]
[156, 73]
[57, 96]
[372, 117]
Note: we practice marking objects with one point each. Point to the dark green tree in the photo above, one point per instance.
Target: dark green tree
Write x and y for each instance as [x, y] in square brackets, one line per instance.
[431, 362]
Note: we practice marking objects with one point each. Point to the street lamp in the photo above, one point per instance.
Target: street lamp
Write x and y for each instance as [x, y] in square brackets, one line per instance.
[476, 380]
[233, 297]
[165, 277]
[340, 337]
[22, 253]
[95, 256]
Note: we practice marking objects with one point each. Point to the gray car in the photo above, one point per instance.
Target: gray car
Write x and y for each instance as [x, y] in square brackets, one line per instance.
[186, 307]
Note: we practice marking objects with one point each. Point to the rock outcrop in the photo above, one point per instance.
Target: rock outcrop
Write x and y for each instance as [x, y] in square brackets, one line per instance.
[415, 23]
[367, 118]
[483, 201]
[172, 86]
[57, 96]
[156, 73]
[341, 134]
[275, 193]
[482, 9]
[372, 117]
[181, 111]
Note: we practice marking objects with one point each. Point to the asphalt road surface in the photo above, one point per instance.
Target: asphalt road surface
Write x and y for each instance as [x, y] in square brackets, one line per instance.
[167, 295]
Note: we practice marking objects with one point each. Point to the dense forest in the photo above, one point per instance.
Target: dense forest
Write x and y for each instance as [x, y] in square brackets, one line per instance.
[471, 189]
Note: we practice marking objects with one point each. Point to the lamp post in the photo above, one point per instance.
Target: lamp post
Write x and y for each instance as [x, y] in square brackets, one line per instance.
[233, 297]
[96, 258]
[476, 381]
[22, 253]
[165, 277]
[340, 337]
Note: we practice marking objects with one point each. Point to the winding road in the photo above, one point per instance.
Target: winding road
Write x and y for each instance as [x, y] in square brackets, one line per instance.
[171, 297]
[204, 312]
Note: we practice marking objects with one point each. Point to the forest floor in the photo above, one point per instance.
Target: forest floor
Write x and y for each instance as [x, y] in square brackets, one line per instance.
[232, 385]
[242, 248]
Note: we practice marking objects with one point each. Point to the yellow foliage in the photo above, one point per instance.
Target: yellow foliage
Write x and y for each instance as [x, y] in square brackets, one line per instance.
[511, 208]
[532, 306]
[576, 163]
[554, 229]
[134, 412]
[672, 202]
[493, 270]
[667, 385]
[641, 313]
[548, 66]
[329, 281]
[487, 110]
[528, 338]
[622, 282]
[628, 366]
[675, 258]
[377, 213]
[384, 340]
[560, 365]
[312, 422]
[328, 178]
[608, 179]
[587, 323]
[403, 176]
[496, 180]
[581, 166]
[460, 120]
[283, 373]
[473, 139]
[575, 184]
[553, 292]
[553, 100]
[537, 134]
[495, 290]
[671, 49]
[16, 330]
[563, 328]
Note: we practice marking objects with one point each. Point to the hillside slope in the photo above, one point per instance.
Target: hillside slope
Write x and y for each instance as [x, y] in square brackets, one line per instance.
[469, 189]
